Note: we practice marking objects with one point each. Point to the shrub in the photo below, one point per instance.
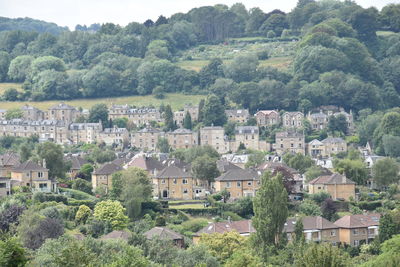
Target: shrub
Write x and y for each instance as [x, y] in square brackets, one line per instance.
[82, 214]
[44, 197]
[74, 202]
[194, 225]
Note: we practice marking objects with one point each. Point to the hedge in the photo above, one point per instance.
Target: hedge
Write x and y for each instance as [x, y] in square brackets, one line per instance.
[197, 212]
[46, 197]
[368, 205]
[77, 194]
[78, 202]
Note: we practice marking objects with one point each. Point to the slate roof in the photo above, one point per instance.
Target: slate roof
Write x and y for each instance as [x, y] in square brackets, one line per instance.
[149, 130]
[224, 166]
[107, 169]
[173, 172]
[358, 220]
[145, 163]
[76, 161]
[335, 178]
[237, 112]
[62, 106]
[289, 134]
[117, 235]
[246, 130]
[309, 223]
[242, 227]
[316, 142]
[238, 175]
[182, 131]
[271, 166]
[29, 166]
[162, 233]
[9, 159]
[267, 112]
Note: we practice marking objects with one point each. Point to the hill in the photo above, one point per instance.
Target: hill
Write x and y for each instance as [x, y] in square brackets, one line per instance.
[30, 25]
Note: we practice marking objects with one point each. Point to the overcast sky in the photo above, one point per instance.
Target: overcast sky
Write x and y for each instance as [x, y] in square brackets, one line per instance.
[72, 12]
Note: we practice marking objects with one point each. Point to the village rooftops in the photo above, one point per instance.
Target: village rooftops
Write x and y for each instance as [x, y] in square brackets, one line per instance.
[85, 125]
[358, 220]
[332, 179]
[124, 235]
[289, 134]
[182, 131]
[223, 165]
[267, 112]
[76, 161]
[23, 122]
[173, 172]
[115, 130]
[272, 166]
[29, 166]
[238, 175]
[108, 168]
[237, 112]
[309, 223]
[145, 163]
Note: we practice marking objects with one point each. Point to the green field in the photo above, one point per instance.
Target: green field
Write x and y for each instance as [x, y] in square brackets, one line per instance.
[177, 101]
[5, 86]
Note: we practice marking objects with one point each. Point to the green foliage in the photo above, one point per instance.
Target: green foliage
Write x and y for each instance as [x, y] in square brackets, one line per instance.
[82, 185]
[99, 113]
[255, 159]
[213, 112]
[163, 145]
[15, 113]
[298, 161]
[325, 254]
[205, 168]
[111, 212]
[187, 121]
[355, 170]
[389, 255]
[310, 208]
[12, 253]
[53, 155]
[82, 214]
[385, 171]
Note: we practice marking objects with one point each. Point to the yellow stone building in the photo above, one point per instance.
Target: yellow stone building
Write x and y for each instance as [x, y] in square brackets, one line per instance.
[238, 182]
[337, 185]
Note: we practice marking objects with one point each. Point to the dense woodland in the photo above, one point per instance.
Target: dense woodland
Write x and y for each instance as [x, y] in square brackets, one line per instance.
[339, 58]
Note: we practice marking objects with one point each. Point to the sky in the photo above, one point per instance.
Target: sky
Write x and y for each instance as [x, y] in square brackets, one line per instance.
[72, 12]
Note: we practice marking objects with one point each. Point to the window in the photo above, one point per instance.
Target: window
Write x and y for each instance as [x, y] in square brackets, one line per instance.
[40, 174]
[2, 185]
[333, 233]
[356, 242]
[163, 181]
[249, 183]
[174, 181]
[228, 184]
[355, 232]
[184, 181]
[43, 185]
[185, 191]
[239, 184]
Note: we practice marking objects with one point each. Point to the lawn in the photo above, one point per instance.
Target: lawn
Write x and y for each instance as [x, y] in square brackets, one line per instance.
[177, 101]
[384, 33]
[5, 86]
[188, 206]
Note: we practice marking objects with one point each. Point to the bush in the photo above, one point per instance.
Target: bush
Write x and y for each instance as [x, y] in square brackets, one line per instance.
[194, 225]
[320, 197]
[75, 202]
[368, 205]
[44, 197]
[231, 215]
[79, 195]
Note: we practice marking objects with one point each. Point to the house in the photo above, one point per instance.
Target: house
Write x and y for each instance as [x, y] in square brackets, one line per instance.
[333, 145]
[34, 176]
[137, 116]
[7, 162]
[146, 138]
[267, 117]
[117, 234]
[182, 138]
[102, 177]
[165, 234]
[243, 227]
[85, 132]
[318, 121]
[337, 185]
[292, 119]
[3, 113]
[315, 228]
[179, 116]
[370, 160]
[239, 160]
[237, 115]
[31, 113]
[5, 187]
[289, 142]
[248, 136]
[223, 166]
[114, 136]
[193, 110]
[326, 163]
[316, 148]
[76, 164]
[176, 183]
[62, 112]
[214, 136]
[289, 173]
[355, 230]
[238, 182]
[151, 165]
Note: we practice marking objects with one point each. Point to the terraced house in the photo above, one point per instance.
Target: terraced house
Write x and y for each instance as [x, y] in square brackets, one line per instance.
[138, 116]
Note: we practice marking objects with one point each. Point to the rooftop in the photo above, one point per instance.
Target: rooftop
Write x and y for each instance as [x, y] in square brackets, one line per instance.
[162, 233]
[242, 227]
[358, 220]
[335, 178]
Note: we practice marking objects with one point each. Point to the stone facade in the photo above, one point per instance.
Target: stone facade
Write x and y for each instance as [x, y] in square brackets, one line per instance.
[237, 115]
[327, 147]
[238, 182]
[137, 116]
[293, 120]
[114, 136]
[85, 132]
[146, 139]
[248, 136]
[214, 136]
[337, 185]
[267, 117]
[31, 113]
[355, 230]
[182, 138]
[62, 112]
[289, 142]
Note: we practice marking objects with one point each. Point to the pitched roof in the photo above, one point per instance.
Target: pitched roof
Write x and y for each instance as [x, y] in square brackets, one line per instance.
[223, 165]
[62, 106]
[173, 172]
[9, 159]
[358, 220]
[315, 142]
[242, 227]
[333, 140]
[149, 130]
[309, 223]
[145, 163]
[76, 161]
[238, 175]
[335, 178]
[237, 112]
[117, 235]
[246, 130]
[272, 166]
[29, 166]
[267, 112]
[163, 233]
[182, 131]
[289, 134]
[108, 168]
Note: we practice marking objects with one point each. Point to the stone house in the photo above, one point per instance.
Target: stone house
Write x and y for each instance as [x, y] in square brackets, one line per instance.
[146, 138]
[355, 230]
[214, 136]
[31, 113]
[114, 136]
[289, 142]
[76, 164]
[137, 116]
[3, 113]
[237, 115]
[238, 182]
[179, 116]
[5, 187]
[85, 132]
[293, 120]
[327, 147]
[151, 165]
[62, 112]
[165, 234]
[315, 228]
[34, 176]
[102, 177]
[337, 185]
[267, 117]
[318, 121]
[193, 111]
[7, 162]
[316, 149]
[248, 136]
[182, 138]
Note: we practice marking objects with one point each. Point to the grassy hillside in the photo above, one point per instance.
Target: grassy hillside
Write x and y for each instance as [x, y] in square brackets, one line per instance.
[280, 53]
[5, 86]
[177, 101]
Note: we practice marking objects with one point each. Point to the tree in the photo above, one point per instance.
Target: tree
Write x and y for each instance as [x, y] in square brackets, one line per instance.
[111, 212]
[163, 145]
[337, 123]
[355, 170]
[82, 214]
[120, 122]
[169, 119]
[46, 63]
[328, 209]
[213, 112]
[10, 94]
[10, 216]
[322, 253]
[53, 155]
[313, 172]
[205, 168]
[158, 49]
[222, 246]
[136, 189]
[389, 255]
[270, 212]
[391, 145]
[385, 172]
[99, 112]
[86, 171]
[14, 113]
[243, 68]
[20, 68]
[389, 17]
[298, 161]
[298, 231]
[187, 121]
[4, 64]
[310, 208]
[12, 253]
[388, 227]
[210, 73]
[82, 185]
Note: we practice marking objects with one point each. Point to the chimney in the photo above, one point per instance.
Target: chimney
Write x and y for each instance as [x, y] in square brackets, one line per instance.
[343, 179]
[44, 163]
